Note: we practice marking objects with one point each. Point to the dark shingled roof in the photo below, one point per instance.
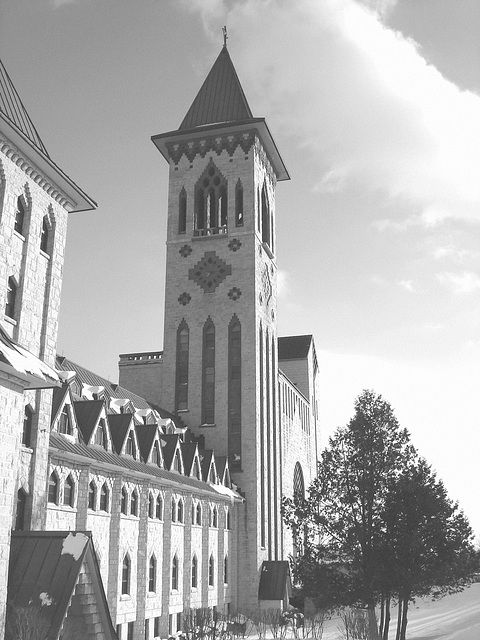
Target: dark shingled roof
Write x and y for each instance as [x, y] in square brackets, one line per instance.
[12, 108]
[294, 347]
[119, 426]
[221, 97]
[146, 436]
[274, 580]
[44, 570]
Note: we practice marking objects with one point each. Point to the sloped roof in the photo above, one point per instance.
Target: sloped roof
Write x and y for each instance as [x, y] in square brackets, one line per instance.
[43, 572]
[145, 436]
[59, 395]
[87, 413]
[294, 347]
[221, 97]
[62, 444]
[119, 426]
[170, 444]
[12, 107]
[112, 390]
[189, 449]
[275, 581]
[18, 361]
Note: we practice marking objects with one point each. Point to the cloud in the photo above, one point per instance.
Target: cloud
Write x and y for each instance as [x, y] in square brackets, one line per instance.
[406, 284]
[461, 283]
[359, 99]
[283, 284]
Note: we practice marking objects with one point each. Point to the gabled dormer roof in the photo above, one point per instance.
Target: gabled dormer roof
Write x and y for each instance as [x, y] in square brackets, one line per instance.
[171, 444]
[88, 413]
[120, 425]
[147, 434]
[221, 97]
[191, 457]
[207, 458]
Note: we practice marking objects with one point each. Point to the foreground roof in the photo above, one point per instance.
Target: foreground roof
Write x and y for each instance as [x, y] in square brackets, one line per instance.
[16, 360]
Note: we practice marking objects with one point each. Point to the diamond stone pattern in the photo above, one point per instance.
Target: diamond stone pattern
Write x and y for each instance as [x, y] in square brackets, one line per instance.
[209, 272]
[267, 285]
[185, 251]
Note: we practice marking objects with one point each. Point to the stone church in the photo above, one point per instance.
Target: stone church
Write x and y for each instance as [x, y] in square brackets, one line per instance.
[124, 506]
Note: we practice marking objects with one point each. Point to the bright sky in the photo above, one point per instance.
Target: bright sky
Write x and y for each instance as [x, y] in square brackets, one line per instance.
[375, 107]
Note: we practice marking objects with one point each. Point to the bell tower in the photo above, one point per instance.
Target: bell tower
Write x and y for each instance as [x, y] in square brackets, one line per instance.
[220, 361]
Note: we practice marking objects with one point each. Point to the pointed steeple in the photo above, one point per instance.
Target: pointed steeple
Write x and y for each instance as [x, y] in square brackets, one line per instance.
[221, 97]
[12, 108]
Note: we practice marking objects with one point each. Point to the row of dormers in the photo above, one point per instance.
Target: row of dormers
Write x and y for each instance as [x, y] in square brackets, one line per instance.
[97, 420]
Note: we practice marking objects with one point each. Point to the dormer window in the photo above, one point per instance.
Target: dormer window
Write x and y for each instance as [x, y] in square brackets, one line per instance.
[19, 216]
[130, 448]
[177, 462]
[64, 422]
[156, 456]
[101, 434]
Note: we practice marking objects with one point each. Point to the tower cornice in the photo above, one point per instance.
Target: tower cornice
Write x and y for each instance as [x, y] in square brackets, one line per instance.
[218, 137]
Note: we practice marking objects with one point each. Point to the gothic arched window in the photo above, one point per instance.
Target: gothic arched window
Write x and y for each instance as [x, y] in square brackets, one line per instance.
[134, 503]
[68, 491]
[159, 508]
[175, 573]
[27, 427]
[19, 216]
[211, 571]
[266, 237]
[44, 235]
[208, 365]
[92, 496]
[126, 567]
[104, 494]
[298, 482]
[234, 392]
[182, 211]
[194, 572]
[211, 203]
[21, 506]
[152, 574]
[12, 288]
[181, 396]
[53, 488]
[239, 204]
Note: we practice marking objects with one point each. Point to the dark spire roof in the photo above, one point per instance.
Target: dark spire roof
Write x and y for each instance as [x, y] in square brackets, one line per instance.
[221, 97]
[12, 108]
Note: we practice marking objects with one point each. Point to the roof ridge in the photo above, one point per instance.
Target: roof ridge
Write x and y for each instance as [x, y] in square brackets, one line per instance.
[12, 107]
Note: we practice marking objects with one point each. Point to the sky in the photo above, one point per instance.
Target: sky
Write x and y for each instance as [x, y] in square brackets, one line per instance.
[375, 108]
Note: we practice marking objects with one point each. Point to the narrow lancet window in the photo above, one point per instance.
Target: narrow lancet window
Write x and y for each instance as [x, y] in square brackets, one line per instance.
[208, 409]
[211, 203]
[234, 392]
[239, 204]
[181, 397]
[182, 212]
[265, 217]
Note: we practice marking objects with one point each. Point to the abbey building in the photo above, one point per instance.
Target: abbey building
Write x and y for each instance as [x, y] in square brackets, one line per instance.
[162, 493]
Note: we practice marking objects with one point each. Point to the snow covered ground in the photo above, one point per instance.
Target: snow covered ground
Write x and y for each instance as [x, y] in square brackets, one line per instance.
[455, 617]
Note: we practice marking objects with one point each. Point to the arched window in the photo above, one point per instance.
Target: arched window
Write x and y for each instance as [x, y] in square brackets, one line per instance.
[265, 217]
[180, 510]
[27, 427]
[20, 515]
[44, 235]
[151, 506]
[181, 396]
[182, 211]
[53, 488]
[101, 434]
[19, 216]
[225, 570]
[194, 572]
[156, 456]
[104, 494]
[234, 392]
[199, 513]
[174, 510]
[11, 297]
[134, 503]
[126, 568]
[211, 203]
[92, 496]
[208, 365]
[152, 574]
[239, 204]
[298, 482]
[227, 519]
[159, 507]
[177, 462]
[130, 448]
[175, 573]
[123, 505]
[197, 471]
[211, 571]
[214, 517]
[64, 422]
[68, 491]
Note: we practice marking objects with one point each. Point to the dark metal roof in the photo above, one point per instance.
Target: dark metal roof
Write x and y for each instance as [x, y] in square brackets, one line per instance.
[294, 347]
[43, 572]
[146, 434]
[87, 413]
[275, 581]
[221, 97]
[62, 444]
[12, 107]
[119, 427]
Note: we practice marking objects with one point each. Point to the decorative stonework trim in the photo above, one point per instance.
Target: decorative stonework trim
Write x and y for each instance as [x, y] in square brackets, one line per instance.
[32, 172]
[234, 244]
[185, 251]
[234, 293]
[184, 298]
[217, 144]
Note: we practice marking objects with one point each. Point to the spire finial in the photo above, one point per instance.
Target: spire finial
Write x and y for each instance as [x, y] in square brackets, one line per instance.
[225, 37]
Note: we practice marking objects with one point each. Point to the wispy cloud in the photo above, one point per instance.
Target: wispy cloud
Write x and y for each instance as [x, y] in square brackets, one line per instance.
[406, 284]
[460, 283]
[359, 98]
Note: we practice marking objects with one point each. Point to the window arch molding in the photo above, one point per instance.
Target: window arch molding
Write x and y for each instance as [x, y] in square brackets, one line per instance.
[211, 202]
[126, 574]
[53, 488]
